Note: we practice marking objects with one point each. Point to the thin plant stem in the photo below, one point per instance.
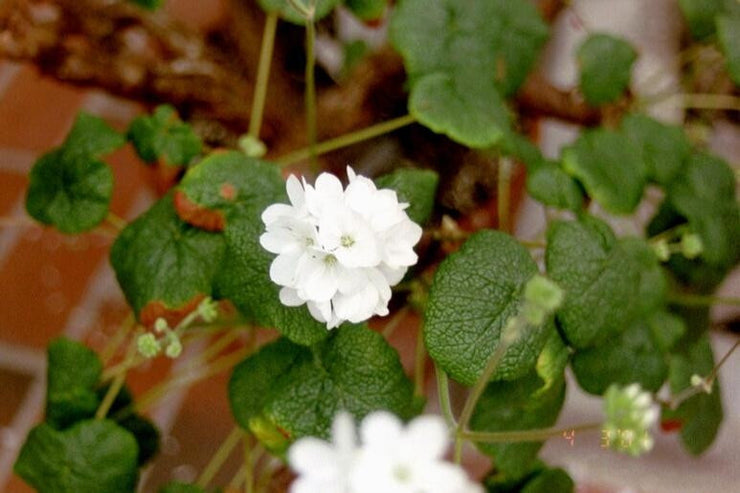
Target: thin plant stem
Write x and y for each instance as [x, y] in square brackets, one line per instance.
[115, 341]
[238, 480]
[310, 91]
[420, 359]
[503, 197]
[220, 457]
[443, 394]
[214, 348]
[263, 75]
[524, 435]
[116, 222]
[691, 391]
[117, 382]
[347, 139]
[213, 368]
[394, 322]
[509, 333]
[701, 300]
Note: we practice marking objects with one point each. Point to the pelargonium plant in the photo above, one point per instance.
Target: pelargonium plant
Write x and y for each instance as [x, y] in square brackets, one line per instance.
[329, 268]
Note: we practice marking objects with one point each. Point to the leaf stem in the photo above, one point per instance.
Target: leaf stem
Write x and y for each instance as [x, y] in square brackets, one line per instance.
[394, 322]
[347, 139]
[509, 333]
[443, 394]
[220, 457]
[117, 383]
[503, 196]
[691, 391]
[311, 86]
[420, 359]
[701, 300]
[263, 74]
[115, 341]
[116, 222]
[215, 367]
[536, 435]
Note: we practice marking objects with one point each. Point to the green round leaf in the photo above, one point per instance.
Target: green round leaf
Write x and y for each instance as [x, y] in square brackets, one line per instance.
[664, 148]
[164, 136]
[70, 192]
[700, 15]
[72, 376]
[462, 59]
[728, 32]
[601, 280]
[700, 415]
[555, 188]
[705, 195]
[286, 391]
[550, 481]
[163, 264]
[95, 456]
[417, 187]
[606, 63]
[91, 137]
[474, 293]
[611, 168]
[629, 357]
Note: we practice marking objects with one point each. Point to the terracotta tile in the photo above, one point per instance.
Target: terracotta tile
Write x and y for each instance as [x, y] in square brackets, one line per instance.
[35, 112]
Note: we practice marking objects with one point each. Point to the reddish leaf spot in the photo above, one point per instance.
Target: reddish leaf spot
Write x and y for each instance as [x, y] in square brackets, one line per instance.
[374, 23]
[197, 215]
[227, 191]
[671, 425]
[173, 315]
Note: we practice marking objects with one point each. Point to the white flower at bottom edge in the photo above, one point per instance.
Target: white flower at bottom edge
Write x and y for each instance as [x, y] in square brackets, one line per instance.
[394, 459]
[323, 467]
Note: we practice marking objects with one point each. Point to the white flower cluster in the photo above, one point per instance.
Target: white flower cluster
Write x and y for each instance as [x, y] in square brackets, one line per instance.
[630, 414]
[388, 459]
[339, 251]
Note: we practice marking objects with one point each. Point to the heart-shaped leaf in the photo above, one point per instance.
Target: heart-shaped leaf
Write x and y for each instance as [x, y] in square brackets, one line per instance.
[611, 168]
[462, 59]
[474, 293]
[94, 456]
[599, 277]
[163, 136]
[606, 63]
[287, 391]
[164, 265]
[72, 375]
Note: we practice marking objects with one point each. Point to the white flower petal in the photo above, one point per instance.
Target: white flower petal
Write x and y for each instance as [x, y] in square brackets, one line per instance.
[426, 437]
[289, 297]
[381, 429]
[283, 269]
[314, 456]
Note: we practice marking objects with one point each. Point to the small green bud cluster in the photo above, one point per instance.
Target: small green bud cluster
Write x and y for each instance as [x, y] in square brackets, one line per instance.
[149, 345]
[630, 413]
[690, 246]
[252, 146]
[208, 310]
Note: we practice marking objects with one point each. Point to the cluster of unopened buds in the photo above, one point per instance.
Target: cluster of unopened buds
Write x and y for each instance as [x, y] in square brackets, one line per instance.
[339, 250]
[388, 458]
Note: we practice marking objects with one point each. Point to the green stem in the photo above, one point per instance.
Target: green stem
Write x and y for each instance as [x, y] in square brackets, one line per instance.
[537, 435]
[117, 222]
[311, 88]
[701, 300]
[443, 394]
[118, 380]
[420, 360]
[689, 392]
[509, 334]
[347, 139]
[504, 194]
[263, 74]
[220, 457]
